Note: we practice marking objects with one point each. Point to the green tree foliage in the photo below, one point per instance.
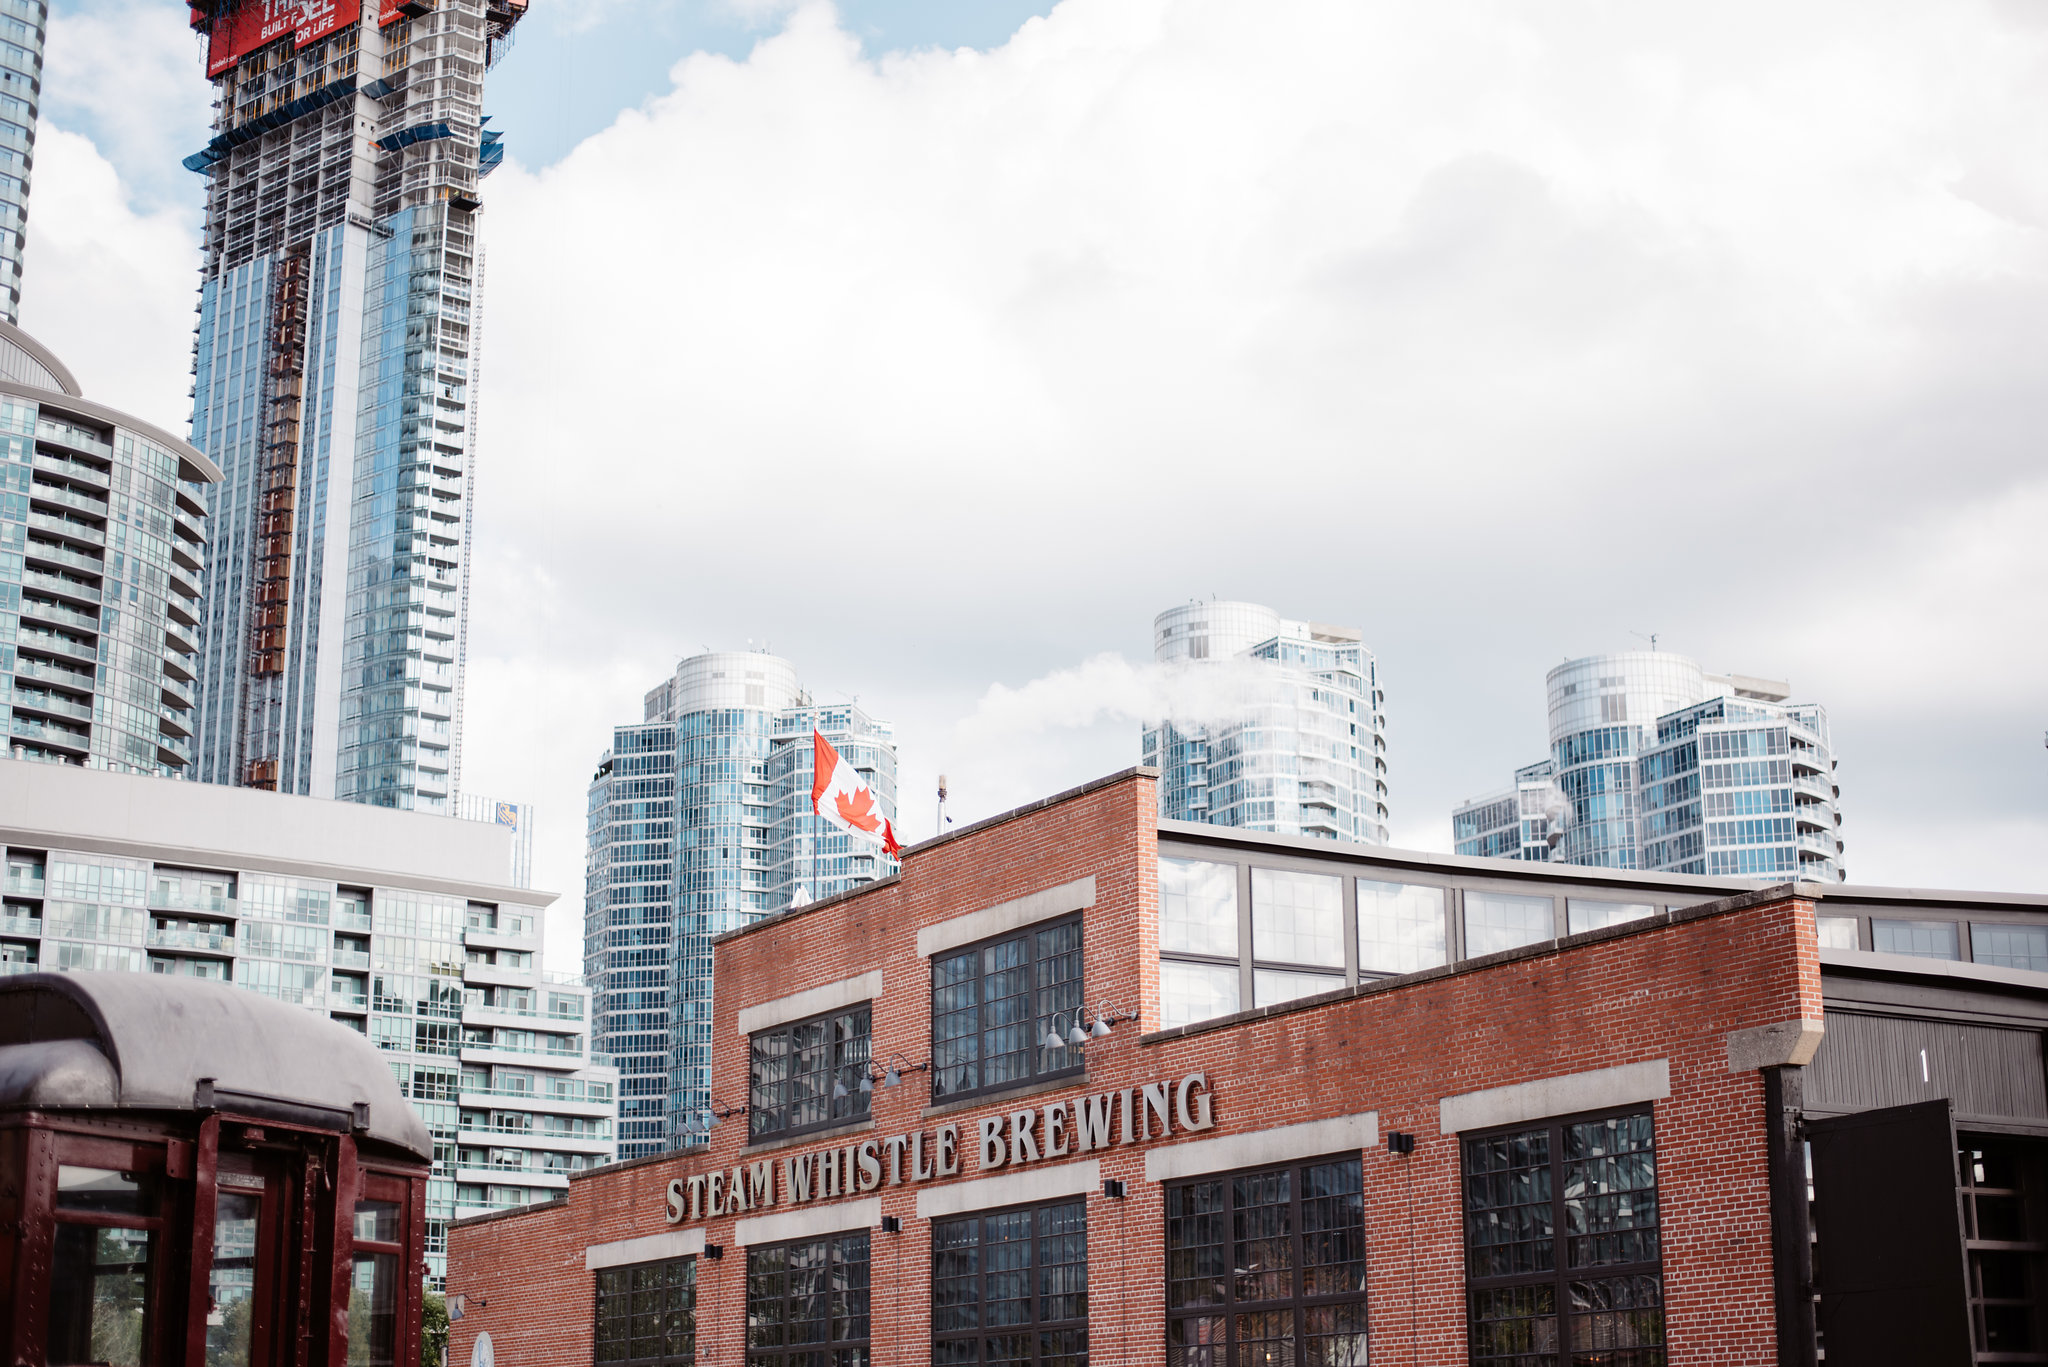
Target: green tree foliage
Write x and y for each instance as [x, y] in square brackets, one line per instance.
[433, 1329]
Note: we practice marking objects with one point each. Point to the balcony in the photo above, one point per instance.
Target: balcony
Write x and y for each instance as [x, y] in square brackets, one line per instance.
[71, 469]
[17, 924]
[179, 642]
[56, 614]
[47, 553]
[350, 958]
[74, 528]
[74, 438]
[205, 942]
[57, 737]
[62, 585]
[22, 886]
[169, 896]
[9, 967]
[66, 498]
[522, 937]
[54, 643]
[49, 704]
[482, 1136]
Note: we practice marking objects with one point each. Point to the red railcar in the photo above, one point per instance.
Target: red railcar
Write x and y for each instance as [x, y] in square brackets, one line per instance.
[195, 1174]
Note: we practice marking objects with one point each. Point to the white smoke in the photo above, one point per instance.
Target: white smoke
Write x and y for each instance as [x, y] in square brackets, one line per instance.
[1109, 688]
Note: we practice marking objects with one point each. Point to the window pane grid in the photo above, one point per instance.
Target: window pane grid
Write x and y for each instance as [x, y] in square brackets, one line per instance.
[646, 1314]
[1267, 1267]
[1012, 1287]
[807, 1075]
[807, 1303]
[1562, 1245]
[994, 1005]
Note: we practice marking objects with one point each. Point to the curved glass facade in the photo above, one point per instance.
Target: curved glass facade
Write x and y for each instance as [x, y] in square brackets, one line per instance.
[1657, 765]
[1602, 708]
[1301, 746]
[22, 23]
[101, 539]
[699, 822]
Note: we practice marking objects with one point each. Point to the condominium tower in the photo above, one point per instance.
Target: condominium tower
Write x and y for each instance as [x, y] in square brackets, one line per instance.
[396, 925]
[333, 364]
[1658, 765]
[102, 532]
[22, 23]
[700, 822]
[1284, 732]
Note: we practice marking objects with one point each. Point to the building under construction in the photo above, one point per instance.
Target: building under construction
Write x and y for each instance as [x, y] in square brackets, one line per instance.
[333, 366]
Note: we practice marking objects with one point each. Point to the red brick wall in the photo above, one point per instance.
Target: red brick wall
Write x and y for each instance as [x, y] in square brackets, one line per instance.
[1670, 992]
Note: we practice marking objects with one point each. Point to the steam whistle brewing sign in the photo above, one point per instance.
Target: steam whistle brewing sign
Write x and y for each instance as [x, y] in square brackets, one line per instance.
[1011, 1139]
[242, 26]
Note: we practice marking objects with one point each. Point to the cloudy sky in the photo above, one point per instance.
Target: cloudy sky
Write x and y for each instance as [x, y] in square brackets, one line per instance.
[938, 345]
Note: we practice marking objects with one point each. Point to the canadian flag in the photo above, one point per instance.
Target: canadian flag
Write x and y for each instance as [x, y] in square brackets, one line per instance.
[838, 795]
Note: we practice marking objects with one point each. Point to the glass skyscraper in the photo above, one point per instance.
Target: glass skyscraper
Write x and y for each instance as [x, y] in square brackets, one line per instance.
[699, 822]
[1656, 764]
[1292, 740]
[332, 370]
[22, 24]
[102, 532]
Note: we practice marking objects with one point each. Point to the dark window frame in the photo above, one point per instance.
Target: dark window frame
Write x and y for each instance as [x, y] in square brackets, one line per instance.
[851, 1348]
[1062, 998]
[1560, 1275]
[2011, 1236]
[842, 1067]
[630, 1317]
[1230, 1309]
[947, 1345]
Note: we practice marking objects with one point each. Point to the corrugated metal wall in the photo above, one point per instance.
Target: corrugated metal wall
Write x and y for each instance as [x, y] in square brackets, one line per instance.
[1987, 1071]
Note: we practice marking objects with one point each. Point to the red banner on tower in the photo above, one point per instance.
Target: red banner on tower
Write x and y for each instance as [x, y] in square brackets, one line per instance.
[249, 24]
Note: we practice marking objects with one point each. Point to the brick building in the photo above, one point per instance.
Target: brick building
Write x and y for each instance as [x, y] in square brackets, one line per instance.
[1081, 1086]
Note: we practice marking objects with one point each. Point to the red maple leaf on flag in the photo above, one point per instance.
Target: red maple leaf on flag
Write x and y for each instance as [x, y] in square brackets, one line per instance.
[857, 809]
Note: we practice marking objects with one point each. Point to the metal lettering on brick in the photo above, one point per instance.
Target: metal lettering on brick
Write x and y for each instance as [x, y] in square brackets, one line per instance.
[1008, 1140]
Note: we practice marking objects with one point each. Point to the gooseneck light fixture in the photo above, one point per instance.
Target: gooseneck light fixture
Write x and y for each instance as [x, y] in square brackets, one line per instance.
[1079, 1034]
[888, 1074]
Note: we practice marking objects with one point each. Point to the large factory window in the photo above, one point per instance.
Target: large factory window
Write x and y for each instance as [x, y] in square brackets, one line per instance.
[1012, 1287]
[647, 1314]
[1198, 964]
[807, 1303]
[1267, 1266]
[1561, 1243]
[994, 1004]
[808, 1075]
[1297, 934]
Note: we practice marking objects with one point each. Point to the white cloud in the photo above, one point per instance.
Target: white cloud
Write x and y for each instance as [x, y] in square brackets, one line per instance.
[1496, 332]
[107, 287]
[128, 74]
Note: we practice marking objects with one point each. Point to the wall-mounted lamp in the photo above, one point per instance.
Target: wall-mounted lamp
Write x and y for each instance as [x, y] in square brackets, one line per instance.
[1113, 1188]
[892, 1224]
[888, 1074]
[1079, 1034]
[714, 1251]
[1400, 1143]
[725, 1112]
